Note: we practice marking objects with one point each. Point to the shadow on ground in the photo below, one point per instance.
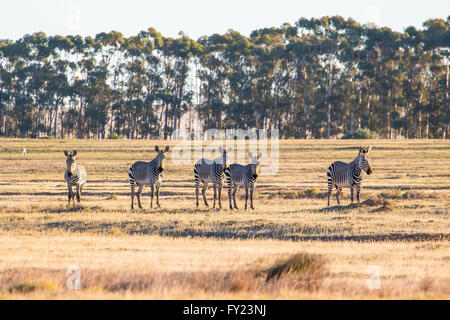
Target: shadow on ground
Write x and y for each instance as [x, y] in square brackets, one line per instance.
[232, 230]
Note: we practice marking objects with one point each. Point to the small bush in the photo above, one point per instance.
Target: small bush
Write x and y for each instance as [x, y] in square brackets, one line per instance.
[419, 195]
[361, 134]
[29, 286]
[376, 202]
[392, 194]
[312, 193]
[115, 136]
[300, 264]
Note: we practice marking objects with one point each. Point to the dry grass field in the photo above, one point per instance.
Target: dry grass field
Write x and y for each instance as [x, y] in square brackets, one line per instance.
[291, 247]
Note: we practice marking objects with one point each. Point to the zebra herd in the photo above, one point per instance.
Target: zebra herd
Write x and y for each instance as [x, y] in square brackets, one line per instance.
[216, 171]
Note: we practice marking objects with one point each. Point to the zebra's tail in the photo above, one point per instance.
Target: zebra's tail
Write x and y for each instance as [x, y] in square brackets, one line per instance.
[131, 177]
[228, 176]
[196, 176]
[330, 178]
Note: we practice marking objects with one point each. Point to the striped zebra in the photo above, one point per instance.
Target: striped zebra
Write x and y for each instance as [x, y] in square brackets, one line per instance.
[75, 175]
[247, 176]
[147, 173]
[210, 171]
[341, 174]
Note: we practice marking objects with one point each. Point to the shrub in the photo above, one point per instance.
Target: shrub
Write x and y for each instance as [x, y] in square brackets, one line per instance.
[115, 136]
[311, 193]
[361, 134]
[300, 264]
[392, 194]
[30, 286]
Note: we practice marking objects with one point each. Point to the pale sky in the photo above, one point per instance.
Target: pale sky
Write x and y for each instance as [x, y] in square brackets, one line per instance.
[201, 17]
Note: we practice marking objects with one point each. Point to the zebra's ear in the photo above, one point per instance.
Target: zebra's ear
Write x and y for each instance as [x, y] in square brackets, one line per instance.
[156, 148]
[250, 154]
[74, 153]
[66, 153]
[361, 149]
[166, 149]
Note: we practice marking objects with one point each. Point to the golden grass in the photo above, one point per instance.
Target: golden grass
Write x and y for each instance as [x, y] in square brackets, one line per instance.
[179, 252]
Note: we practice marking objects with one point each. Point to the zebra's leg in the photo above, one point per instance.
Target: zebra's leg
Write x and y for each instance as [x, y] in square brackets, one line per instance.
[351, 193]
[246, 197]
[69, 186]
[215, 195]
[132, 183]
[229, 194]
[78, 193]
[196, 191]
[338, 195]
[138, 194]
[157, 196]
[152, 189]
[220, 196]
[234, 197]
[358, 190]
[252, 189]
[330, 189]
[205, 185]
[81, 189]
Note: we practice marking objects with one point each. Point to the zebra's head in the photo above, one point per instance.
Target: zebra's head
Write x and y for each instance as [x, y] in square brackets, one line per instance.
[222, 160]
[364, 160]
[70, 161]
[255, 162]
[161, 157]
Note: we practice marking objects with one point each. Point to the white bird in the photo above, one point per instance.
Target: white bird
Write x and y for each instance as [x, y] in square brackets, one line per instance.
[24, 151]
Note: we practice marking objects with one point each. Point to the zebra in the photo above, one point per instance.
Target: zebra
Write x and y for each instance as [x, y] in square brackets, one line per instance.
[210, 171]
[341, 174]
[75, 175]
[247, 176]
[147, 173]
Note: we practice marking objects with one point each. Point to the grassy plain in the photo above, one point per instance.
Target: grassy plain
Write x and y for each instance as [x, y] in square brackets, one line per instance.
[401, 232]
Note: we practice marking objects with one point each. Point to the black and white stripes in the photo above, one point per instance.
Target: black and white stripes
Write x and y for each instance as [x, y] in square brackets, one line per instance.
[147, 173]
[246, 176]
[75, 176]
[341, 174]
[210, 171]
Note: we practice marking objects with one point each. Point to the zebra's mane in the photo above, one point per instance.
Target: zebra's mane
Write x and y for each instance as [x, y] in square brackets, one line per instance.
[155, 160]
[355, 162]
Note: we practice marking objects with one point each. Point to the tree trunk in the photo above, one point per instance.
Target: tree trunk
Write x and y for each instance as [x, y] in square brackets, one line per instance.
[56, 118]
[133, 131]
[328, 120]
[165, 122]
[351, 122]
[7, 123]
[330, 87]
[62, 129]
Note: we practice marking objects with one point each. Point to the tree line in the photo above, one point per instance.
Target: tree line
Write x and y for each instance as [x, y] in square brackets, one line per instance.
[318, 78]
